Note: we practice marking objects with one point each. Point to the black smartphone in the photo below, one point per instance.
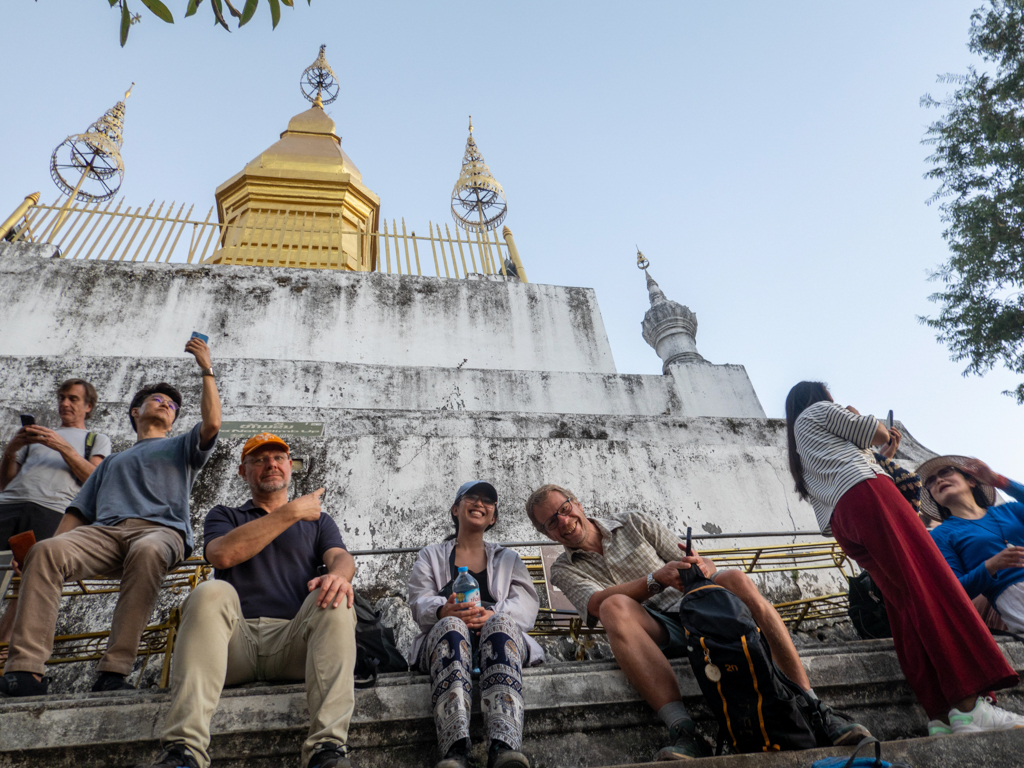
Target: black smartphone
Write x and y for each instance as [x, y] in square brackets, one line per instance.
[28, 420]
[888, 421]
[689, 575]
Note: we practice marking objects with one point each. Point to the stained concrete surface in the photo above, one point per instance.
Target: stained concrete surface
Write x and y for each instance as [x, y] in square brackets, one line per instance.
[578, 714]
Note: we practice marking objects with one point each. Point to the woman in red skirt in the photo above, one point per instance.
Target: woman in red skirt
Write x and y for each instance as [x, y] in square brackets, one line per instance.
[947, 654]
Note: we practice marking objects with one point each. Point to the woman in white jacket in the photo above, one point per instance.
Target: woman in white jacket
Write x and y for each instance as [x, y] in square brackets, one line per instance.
[453, 634]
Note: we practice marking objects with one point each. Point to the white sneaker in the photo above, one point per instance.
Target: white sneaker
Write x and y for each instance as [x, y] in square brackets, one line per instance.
[984, 717]
[938, 728]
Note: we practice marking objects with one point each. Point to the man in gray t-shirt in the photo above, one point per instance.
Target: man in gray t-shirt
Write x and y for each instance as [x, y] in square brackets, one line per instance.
[42, 470]
[131, 519]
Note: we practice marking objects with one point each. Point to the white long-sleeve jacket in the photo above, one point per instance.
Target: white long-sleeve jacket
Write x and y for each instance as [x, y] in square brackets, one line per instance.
[508, 581]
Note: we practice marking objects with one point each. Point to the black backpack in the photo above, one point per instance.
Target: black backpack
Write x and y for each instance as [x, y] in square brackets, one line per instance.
[758, 708]
[867, 608]
[376, 650]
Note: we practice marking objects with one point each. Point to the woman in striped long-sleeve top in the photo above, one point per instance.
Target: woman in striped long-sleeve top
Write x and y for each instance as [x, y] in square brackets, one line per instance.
[947, 655]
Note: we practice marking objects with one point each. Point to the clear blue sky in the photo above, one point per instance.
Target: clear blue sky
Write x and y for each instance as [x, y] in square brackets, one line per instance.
[766, 157]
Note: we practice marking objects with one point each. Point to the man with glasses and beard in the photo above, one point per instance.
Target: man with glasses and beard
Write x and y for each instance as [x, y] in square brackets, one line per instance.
[268, 615]
[130, 520]
[624, 571]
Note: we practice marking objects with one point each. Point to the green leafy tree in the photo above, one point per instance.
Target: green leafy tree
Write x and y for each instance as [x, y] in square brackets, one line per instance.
[979, 164]
[161, 11]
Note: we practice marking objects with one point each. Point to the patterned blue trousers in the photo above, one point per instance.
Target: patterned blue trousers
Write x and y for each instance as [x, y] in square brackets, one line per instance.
[448, 656]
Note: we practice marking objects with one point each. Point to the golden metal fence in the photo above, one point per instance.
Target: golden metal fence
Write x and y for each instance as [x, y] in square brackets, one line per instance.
[156, 639]
[791, 559]
[261, 237]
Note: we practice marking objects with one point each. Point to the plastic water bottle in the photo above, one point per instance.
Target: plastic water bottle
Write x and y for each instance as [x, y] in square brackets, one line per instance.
[465, 587]
[466, 590]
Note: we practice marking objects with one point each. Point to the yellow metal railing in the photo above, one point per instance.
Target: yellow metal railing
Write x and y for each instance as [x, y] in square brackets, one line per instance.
[772, 559]
[260, 237]
[156, 639]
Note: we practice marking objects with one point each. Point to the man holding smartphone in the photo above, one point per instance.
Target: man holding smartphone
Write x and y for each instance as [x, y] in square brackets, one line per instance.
[624, 570]
[131, 518]
[42, 470]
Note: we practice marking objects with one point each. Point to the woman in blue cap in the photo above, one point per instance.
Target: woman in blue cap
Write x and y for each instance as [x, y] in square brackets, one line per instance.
[494, 629]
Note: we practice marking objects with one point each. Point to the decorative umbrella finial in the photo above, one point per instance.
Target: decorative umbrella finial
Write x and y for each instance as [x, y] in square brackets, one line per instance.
[478, 200]
[641, 260]
[319, 81]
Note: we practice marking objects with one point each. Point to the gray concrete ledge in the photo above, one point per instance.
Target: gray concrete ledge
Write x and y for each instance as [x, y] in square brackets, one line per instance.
[970, 750]
[578, 714]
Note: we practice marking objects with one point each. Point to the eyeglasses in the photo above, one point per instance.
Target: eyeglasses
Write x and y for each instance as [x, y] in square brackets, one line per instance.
[164, 401]
[563, 511]
[269, 458]
[472, 498]
[942, 473]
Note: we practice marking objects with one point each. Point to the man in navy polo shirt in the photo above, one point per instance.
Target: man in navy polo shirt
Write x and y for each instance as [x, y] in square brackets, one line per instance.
[268, 615]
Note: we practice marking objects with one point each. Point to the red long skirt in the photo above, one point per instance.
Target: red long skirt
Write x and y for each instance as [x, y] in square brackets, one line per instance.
[944, 649]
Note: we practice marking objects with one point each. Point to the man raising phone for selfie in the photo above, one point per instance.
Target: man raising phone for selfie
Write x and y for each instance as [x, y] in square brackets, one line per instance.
[130, 521]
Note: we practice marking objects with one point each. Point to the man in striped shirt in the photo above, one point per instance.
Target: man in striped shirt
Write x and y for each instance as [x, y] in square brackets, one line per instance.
[624, 571]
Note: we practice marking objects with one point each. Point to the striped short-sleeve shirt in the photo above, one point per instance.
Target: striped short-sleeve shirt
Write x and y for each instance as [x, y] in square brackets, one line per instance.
[833, 446]
[634, 545]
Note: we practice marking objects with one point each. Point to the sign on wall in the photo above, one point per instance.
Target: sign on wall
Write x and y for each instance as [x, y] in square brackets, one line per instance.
[230, 430]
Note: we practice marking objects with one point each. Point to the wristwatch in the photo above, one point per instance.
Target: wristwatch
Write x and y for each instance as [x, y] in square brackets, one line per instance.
[653, 586]
[207, 371]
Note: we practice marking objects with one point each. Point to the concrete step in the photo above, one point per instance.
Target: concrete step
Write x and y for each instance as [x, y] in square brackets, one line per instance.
[578, 714]
[967, 750]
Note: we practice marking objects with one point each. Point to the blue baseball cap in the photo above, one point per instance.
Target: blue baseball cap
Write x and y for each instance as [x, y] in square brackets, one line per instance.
[473, 485]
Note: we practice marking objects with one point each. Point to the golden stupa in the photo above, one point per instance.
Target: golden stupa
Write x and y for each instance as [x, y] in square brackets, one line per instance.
[302, 201]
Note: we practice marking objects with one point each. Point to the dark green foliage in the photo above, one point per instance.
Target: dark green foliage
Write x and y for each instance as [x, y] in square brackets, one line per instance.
[162, 12]
[979, 163]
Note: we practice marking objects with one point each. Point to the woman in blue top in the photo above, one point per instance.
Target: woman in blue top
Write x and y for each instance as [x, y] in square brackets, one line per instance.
[983, 543]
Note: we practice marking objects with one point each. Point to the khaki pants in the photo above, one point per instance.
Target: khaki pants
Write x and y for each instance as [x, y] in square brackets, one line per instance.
[137, 551]
[217, 646]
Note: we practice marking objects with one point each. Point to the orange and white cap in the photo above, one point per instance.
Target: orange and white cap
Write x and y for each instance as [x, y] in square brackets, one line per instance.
[260, 440]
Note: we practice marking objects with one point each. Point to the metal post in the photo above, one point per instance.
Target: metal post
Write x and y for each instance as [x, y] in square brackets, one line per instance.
[507, 234]
[20, 211]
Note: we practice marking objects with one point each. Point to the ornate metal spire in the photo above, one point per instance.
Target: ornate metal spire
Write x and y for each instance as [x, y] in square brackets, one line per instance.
[668, 326]
[318, 80]
[478, 201]
[88, 166]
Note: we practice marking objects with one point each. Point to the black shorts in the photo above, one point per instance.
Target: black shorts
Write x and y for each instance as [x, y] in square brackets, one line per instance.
[24, 516]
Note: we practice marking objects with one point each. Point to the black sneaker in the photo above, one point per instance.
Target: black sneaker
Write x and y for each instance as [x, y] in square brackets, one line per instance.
[457, 756]
[23, 684]
[111, 681]
[686, 744]
[833, 728]
[173, 756]
[501, 755]
[327, 754]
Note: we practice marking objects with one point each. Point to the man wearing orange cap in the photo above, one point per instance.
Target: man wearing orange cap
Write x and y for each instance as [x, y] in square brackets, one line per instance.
[268, 615]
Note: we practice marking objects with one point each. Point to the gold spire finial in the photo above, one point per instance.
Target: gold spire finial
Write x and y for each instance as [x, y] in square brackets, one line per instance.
[318, 80]
[641, 260]
[477, 193]
[128, 92]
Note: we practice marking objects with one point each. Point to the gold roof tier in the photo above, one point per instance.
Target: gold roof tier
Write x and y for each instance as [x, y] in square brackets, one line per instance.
[300, 203]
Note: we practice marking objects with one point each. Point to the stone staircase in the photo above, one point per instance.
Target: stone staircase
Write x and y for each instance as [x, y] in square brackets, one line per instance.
[578, 714]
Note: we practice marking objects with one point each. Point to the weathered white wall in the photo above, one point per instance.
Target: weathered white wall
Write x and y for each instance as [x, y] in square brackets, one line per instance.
[716, 390]
[56, 307]
[310, 384]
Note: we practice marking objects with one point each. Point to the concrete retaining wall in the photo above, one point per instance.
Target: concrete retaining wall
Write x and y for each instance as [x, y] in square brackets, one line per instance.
[56, 307]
